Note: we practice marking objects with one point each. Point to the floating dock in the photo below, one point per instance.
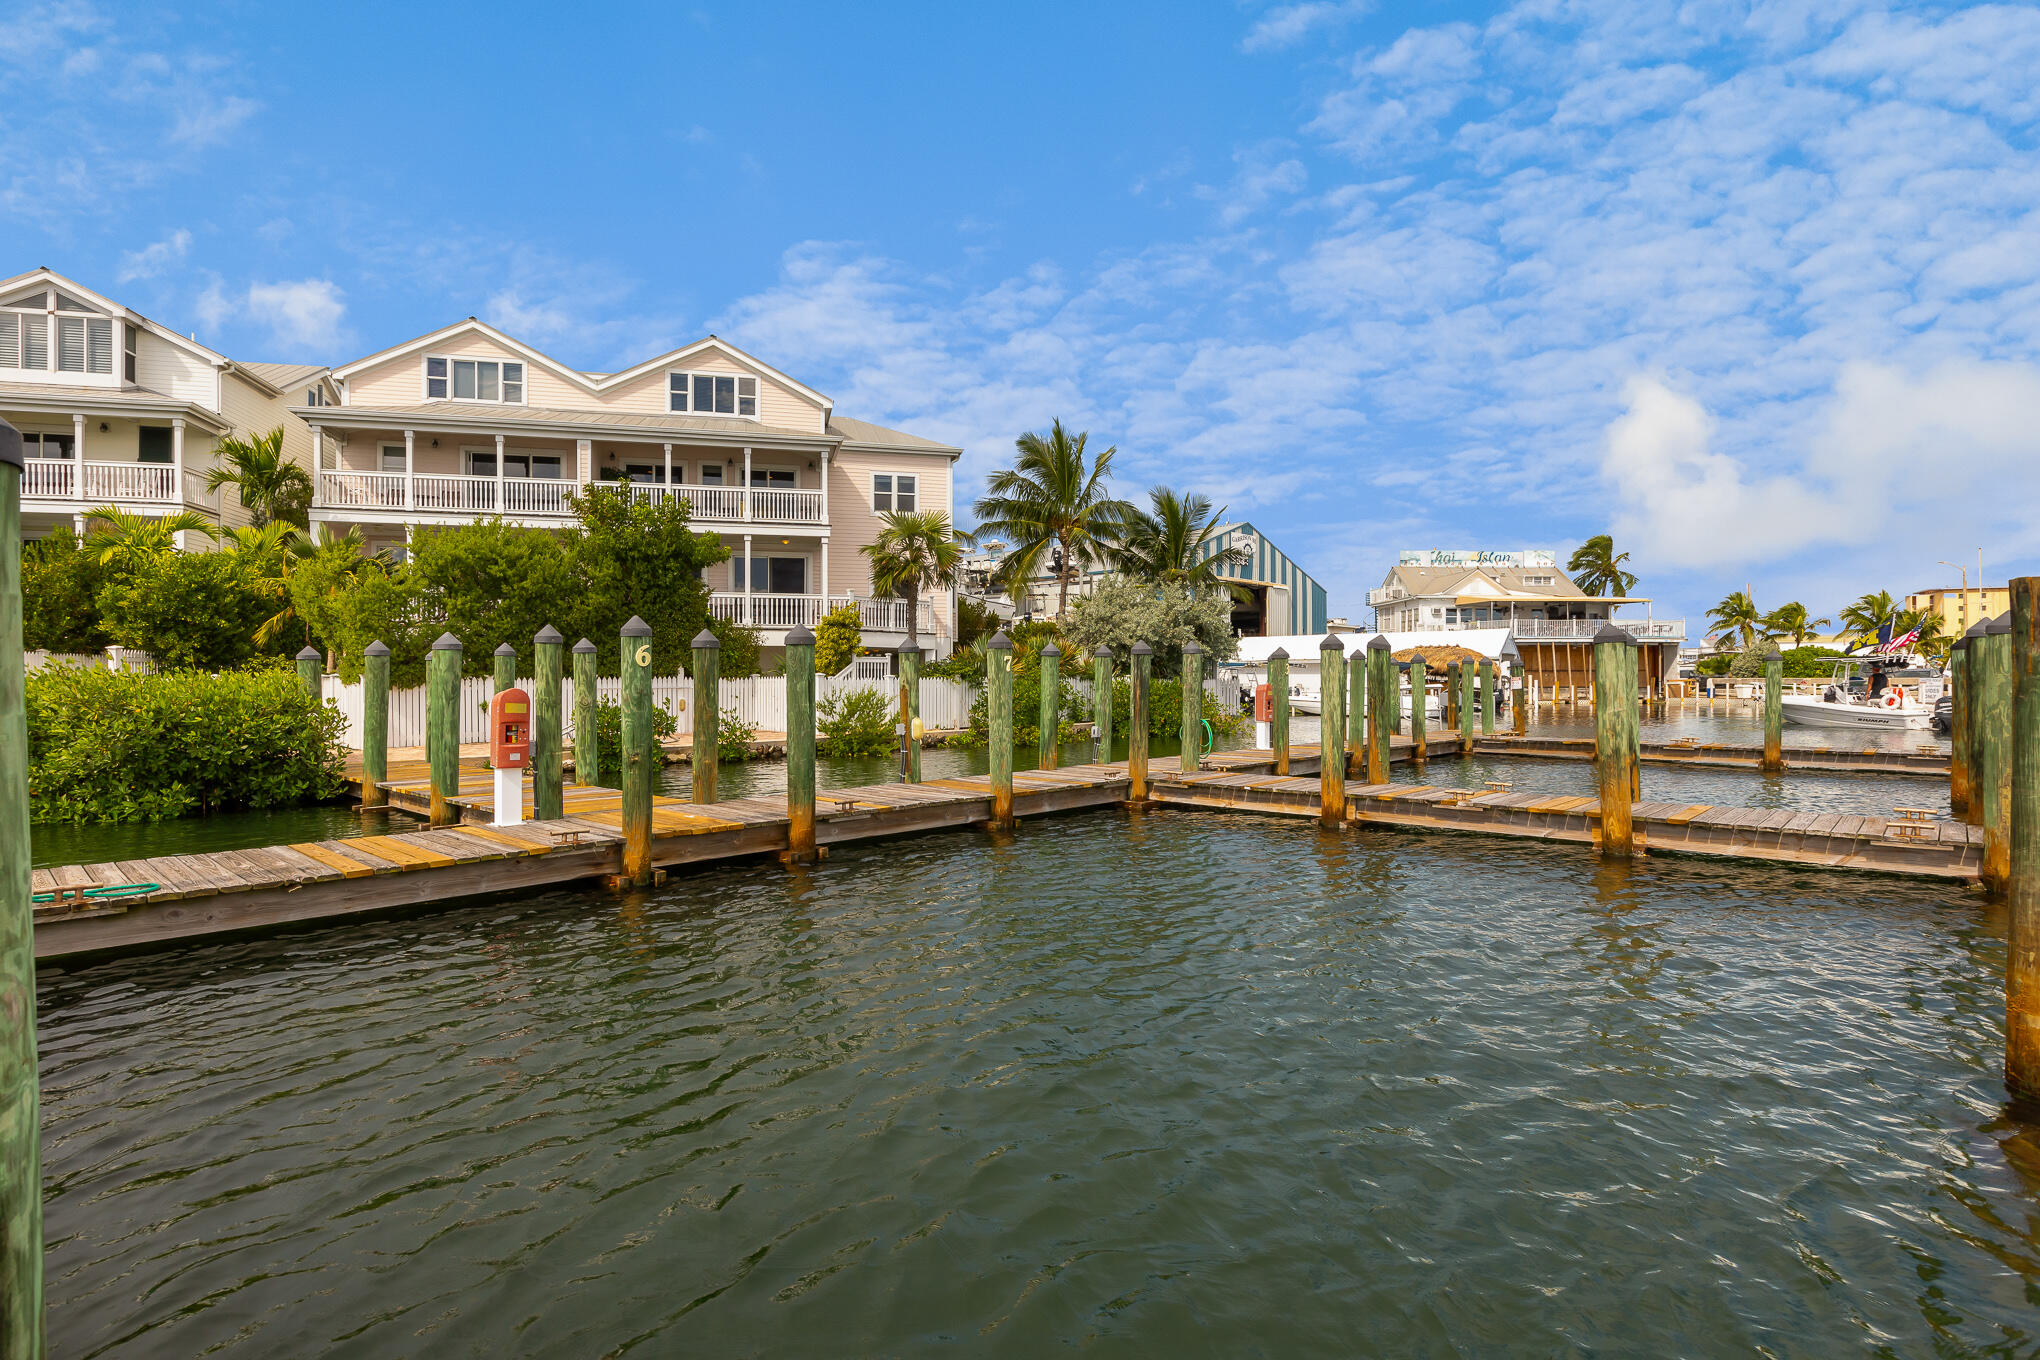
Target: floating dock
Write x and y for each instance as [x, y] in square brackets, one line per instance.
[1922, 763]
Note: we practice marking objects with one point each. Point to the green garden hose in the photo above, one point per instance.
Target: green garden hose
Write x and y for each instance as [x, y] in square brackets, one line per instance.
[117, 890]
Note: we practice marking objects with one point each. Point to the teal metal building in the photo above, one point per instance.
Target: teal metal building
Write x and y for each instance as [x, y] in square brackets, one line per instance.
[1287, 600]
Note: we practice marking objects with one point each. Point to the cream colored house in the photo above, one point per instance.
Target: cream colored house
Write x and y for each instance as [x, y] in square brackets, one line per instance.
[117, 410]
[468, 422]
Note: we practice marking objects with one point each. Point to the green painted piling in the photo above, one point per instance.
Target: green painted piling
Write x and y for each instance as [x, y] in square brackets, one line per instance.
[707, 721]
[2022, 955]
[1774, 710]
[375, 724]
[506, 668]
[1332, 731]
[442, 727]
[1419, 720]
[1965, 743]
[1278, 727]
[1613, 757]
[1994, 747]
[1467, 706]
[587, 767]
[1519, 700]
[641, 751]
[1380, 700]
[1193, 708]
[1487, 697]
[999, 714]
[1048, 743]
[1452, 696]
[1359, 712]
[1101, 704]
[548, 745]
[1958, 723]
[800, 746]
[1395, 723]
[21, 1225]
[1140, 669]
[309, 663]
[910, 711]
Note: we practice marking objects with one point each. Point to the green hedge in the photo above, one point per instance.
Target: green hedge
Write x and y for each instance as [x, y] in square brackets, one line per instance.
[106, 746]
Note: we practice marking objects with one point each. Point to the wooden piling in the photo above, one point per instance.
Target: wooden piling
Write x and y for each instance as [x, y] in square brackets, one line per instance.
[506, 668]
[1331, 731]
[1452, 696]
[707, 722]
[2022, 955]
[1140, 670]
[1487, 697]
[1101, 705]
[375, 724]
[442, 727]
[1278, 696]
[910, 712]
[1048, 746]
[587, 765]
[1965, 746]
[548, 728]
[1613, 756]
[1774, 711]
[21, 1225]
[1519, 699]
[309, 663]
[999, 714]
[641, 750]
[1359, 712]
[1420, 721]
[1193, 708]
[1466, 707]
[1994, 748]
[800, 746]
[1380, 665]
[1958, 720]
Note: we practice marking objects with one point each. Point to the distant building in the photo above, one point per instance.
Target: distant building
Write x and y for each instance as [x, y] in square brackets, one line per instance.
[1961, 609]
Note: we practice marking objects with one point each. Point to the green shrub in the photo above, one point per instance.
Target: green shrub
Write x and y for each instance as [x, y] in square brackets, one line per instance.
[609, 737]
[1165, 710]
[188, 610]
[836, 639]
[60, 584]
[733, 738]
[108, 746]
[1027, 711]
[858, 722]
[1810, 663]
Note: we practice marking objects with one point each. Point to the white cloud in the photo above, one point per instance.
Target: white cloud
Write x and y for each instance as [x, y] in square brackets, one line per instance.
[152, 260]
[303, 319]
[1286, 25]
[1258, 178]
[204, 119]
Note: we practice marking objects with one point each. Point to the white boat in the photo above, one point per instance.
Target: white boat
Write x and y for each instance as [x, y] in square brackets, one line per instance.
[1907, 702]
[1309, 701]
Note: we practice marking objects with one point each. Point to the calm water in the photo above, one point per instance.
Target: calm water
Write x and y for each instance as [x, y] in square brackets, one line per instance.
[1177, 1084]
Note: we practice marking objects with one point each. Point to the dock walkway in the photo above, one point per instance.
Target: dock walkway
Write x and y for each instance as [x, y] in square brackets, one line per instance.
[1921, 763]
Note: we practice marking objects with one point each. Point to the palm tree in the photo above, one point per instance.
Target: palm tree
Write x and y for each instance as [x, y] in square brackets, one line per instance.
[127, 540]
[1869, 613]
[1167, 543]
[1051, 503]
[1932, 641]
[1737, 614]
[916, 550]
[1789, 620]
[272, 487]
[1596, 567]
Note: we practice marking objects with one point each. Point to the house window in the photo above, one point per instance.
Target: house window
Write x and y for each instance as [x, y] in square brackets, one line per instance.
[543, 466]
[894, 491]
[712, 394]
[774, 575]
[711, 474]
[778, 478]
[46, 446]
[128, 343]
[315, 397]
[393, 458]
[474, 380]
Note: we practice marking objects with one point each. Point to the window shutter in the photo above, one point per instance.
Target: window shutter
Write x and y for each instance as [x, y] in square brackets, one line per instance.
[99, 346]
[35, 343]
[10, 340]
[70, 344]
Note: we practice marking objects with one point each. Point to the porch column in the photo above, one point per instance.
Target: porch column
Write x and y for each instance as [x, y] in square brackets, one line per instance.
[177, 461]
[747, 502]
[78, 442]
[750, 575]
[499, 474]
[584, 459]
[825, 573]
[410, 470]
[669, 468]
[823, 463]
[78, 525]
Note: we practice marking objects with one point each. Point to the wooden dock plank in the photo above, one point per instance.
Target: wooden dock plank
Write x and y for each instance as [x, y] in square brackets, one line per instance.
[339, 864]
[358, 853]
[400, 851]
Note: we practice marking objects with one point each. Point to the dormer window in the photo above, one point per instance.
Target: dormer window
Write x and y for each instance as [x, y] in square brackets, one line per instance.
[473, 380]
[712, 394]
[51, 325]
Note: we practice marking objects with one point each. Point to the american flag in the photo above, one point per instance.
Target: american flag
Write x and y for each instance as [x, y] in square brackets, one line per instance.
[1897, 644]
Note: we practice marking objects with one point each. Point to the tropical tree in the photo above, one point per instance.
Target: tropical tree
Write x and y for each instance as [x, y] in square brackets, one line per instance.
[1167, 542]
[1932, 641]
[1869, 613]
[127, 541]
[915, 551]
[1789, 620]
[1051, 503]
[1737, 614]
[272, 487]
[1596, 567]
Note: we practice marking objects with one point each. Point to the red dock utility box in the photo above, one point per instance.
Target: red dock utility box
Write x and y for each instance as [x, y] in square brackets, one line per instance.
[510, 730]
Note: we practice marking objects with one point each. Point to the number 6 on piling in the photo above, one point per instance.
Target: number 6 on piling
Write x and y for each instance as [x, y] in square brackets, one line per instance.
[644, 654]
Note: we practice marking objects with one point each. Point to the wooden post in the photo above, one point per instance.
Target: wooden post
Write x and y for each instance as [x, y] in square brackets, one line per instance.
[1487, 697]
[1466, 707]
[442, 727]
[548, 747]
[800, 746]
[1380, 699]
[1136, 721]
[1958, 721]
[1101, 705]
[21, 1225]
[1519, 700]
[1048, 746]
[506, 668]
[1452, 696]
[1394, 694]
[707, 755]
[910, 711]
[2022, 955]
[1193, 708]
[587, 765]
[309, 663]
[640, 752]
[1278, 694]
[1612, 756]
[1632, 718]
[1331, 732]
[1420, 728]
[999, 713]
[1965, 743]
[1994, 746]
[375, 724]
[1774, 711]
[1359, 711]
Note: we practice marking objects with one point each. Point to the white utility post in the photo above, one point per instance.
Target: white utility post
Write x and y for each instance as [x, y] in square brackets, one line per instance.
[509, 796]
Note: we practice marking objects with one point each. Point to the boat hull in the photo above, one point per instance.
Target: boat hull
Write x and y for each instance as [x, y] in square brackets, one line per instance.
[1820, 713]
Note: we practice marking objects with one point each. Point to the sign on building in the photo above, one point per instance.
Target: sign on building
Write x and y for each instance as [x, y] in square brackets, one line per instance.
[1467, 557]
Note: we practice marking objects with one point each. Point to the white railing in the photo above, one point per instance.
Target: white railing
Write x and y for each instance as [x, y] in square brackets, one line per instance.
[441, 493]
[461, 495]
[54, 478]
[1644, 630]
[66, 479]
[890, 616]
[777, 506]
[362, 490]
[706, 502]
[537, 496]
[1386, 595]
[772, 612]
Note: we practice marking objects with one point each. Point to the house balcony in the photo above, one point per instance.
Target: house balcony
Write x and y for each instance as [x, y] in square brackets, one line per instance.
[69, 485]
[1580, 630]
[396, 496]
[778, 613]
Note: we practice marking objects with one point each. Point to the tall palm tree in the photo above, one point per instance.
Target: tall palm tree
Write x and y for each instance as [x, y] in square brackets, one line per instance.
[1869, 613]
[1932, 641]
[1051, 503]
[915, 551]
[127, 540]
[1596, 567]
[1789, 620]
[1737, 614]
[272, 487]
[1167, 543]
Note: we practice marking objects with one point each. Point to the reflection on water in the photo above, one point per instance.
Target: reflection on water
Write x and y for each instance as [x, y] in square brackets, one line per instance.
[1169, 1084]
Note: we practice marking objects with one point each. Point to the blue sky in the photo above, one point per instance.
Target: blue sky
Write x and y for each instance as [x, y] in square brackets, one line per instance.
[1752, 286]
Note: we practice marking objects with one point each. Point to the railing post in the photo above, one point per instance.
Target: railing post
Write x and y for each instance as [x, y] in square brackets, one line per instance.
[375, 724]
[1774, 711]
[999, 714]
[2022, 956]
[442, 727]
[309, 663]
[707, 722]
[587, 764]
[1101, 705]
[1519, 699]
[1420, 732]
[1612, 756]
[1487, 697]
[548, 798]
[1278, 685]
[1140, 669]
[1048, 743]
[640, 752]
[1958, 721]
[1994, 743]
[21, 1225]
[800, 746]
[1331, 732]
[1193, 708]
[1381, 700]
[910, 714]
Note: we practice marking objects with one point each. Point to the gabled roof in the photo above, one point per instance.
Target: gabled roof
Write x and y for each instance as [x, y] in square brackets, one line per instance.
[673, 357]
[44, 274]
[857, 433]
[285, 376]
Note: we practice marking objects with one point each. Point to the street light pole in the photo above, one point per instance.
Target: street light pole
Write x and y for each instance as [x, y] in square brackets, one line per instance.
[1965, 589]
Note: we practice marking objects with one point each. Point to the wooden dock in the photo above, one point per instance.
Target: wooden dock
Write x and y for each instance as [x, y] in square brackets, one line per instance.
[1928, 764]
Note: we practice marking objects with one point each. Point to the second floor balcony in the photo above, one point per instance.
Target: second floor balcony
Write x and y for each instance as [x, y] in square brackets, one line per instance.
[393, 495]
[1527, 628]
[82, 482]
[778, 612]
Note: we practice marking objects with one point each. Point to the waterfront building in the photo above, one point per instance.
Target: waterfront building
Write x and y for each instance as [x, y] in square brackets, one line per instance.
[115, 409]
[468, 422]
[1550, 619]
[1960, 607]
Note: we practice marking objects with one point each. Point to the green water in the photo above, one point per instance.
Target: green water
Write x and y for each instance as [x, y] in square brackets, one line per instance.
[1168, 1084]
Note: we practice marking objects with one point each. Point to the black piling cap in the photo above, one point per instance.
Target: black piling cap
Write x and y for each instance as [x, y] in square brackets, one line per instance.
[548, 636]
[1000, 642]
[1417, 662]
[376, 649]
[10, 445]
[1610, 633]
[1140, 649]
[447, 643]
[1331, 644]
[1279, 654]
[1378, 644]
[2001, 624]
[1052, 650]
[798, 636]
[1103, 653]
[909, 651]
[637, 627]
[584, 646]
[1191, 648]
[310, 652]
[705, 641]
[1977, 629]
[506, 650]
